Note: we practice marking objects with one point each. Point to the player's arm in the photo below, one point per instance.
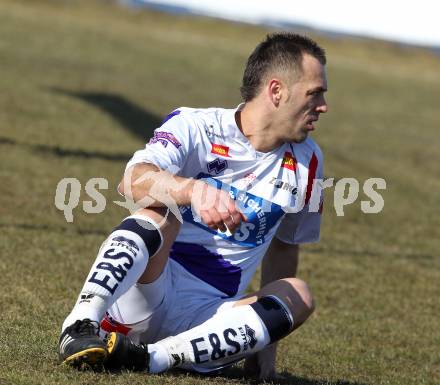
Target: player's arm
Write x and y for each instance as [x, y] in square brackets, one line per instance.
[149, 186]
[280, 261]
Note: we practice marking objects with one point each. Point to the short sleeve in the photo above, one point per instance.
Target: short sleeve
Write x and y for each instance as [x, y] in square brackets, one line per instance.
[304, 226]
[170, 145]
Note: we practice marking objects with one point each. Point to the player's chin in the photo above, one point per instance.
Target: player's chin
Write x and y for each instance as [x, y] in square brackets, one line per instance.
[301, 137]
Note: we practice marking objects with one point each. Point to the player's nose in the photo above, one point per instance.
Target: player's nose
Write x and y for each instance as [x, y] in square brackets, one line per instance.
[322, 106]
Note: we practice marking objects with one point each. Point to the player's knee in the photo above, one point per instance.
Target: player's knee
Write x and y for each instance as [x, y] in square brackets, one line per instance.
[300, 299]
[168, 226]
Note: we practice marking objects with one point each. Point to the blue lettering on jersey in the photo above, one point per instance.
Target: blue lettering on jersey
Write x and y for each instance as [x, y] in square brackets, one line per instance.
[261, 215]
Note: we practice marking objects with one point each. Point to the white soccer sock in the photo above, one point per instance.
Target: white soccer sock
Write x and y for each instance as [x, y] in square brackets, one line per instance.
[121, 260]
[223, 339]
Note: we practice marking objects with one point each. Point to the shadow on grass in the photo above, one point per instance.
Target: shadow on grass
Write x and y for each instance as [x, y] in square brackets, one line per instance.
[8, 141]
[134, 119]
[65, 152]
[237, 373]
[138, 121]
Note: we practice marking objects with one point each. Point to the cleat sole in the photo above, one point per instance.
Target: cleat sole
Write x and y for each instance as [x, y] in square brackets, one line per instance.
[111, 342]
[92, 357]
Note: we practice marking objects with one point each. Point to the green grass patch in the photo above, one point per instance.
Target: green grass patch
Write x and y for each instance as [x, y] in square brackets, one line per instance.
[84, 83]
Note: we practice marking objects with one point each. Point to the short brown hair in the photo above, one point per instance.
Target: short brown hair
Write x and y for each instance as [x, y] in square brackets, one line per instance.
[279, 51]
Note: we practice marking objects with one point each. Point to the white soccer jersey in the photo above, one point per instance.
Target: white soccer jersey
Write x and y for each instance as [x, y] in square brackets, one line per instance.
[207, 144]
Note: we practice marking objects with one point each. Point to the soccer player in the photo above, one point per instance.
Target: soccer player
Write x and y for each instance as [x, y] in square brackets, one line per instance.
[171, 294]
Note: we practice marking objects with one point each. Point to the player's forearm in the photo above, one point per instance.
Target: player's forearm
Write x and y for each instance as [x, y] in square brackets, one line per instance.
[280, 261]
[148, 185]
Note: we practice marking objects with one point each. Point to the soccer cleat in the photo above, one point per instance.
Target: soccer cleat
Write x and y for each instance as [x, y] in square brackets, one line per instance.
[125, 354]
[80, 345]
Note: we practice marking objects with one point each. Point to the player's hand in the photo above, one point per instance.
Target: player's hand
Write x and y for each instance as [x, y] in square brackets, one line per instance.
[215, 207]
[261, 365]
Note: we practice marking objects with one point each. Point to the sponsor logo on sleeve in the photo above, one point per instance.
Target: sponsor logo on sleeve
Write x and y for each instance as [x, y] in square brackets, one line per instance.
[289, 161]
[220, 150]
[164, 138]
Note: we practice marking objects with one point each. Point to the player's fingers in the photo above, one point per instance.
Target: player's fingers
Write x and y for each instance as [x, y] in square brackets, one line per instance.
[223, 201]
[207, 220]
[217, 220]
[230, 224]
[236, 215]
[228, 221]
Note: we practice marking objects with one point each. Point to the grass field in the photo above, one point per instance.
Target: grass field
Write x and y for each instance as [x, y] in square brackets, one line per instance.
[83, 83]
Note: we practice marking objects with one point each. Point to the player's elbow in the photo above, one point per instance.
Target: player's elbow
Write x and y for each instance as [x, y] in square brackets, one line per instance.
[132, 182]
[121, 187]
[125, 187]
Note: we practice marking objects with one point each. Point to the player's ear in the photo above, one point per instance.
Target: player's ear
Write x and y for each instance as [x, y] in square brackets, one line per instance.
[274, 90]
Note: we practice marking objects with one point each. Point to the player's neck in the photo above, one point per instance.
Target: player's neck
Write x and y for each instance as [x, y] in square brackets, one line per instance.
[255, 124]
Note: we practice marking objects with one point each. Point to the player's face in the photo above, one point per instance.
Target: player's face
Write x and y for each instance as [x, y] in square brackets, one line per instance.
[303, 102]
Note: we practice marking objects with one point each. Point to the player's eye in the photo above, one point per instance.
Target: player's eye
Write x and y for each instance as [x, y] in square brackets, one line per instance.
[317, 92]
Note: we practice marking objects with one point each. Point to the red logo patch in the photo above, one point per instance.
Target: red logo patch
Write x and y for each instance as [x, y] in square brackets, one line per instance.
[220, 150]
[289, 161]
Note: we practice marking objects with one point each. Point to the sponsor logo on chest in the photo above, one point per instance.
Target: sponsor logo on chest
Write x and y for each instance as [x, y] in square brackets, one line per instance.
[278, 183]
[247, 181]
[219, 149]
[217, 166]
[289, 161]
[211, 132]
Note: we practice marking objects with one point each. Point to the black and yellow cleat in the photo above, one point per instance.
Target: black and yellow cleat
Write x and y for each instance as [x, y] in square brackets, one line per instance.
[81, 347]
[125, 354]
